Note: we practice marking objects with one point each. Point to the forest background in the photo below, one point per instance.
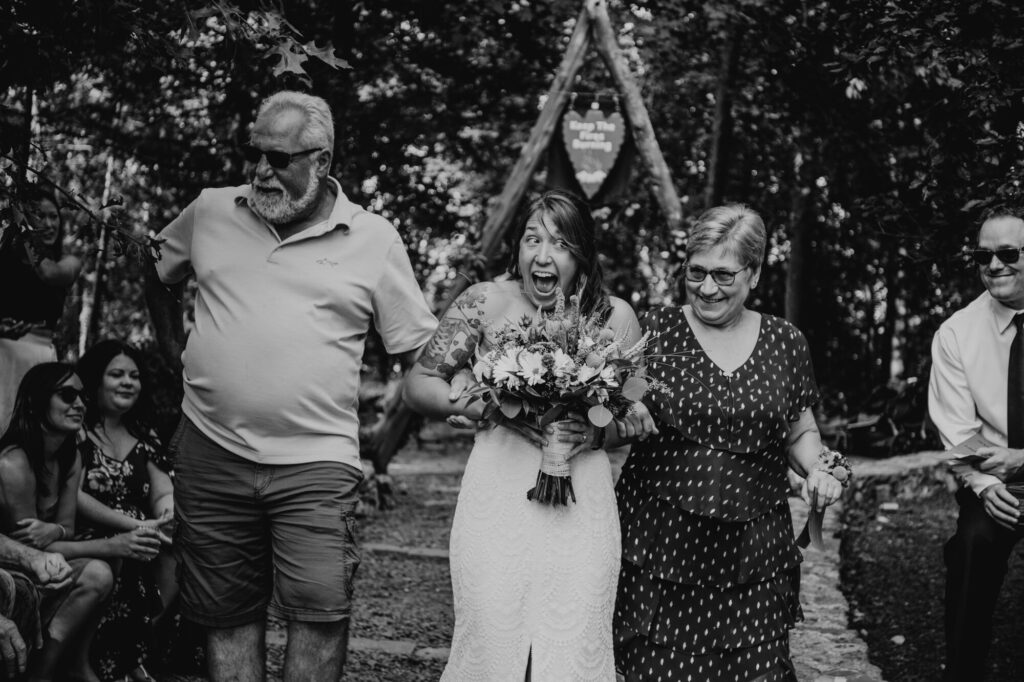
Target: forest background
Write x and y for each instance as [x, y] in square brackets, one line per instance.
[869, 134]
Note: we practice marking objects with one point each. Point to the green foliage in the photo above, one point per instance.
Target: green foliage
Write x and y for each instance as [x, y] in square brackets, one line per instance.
[879, 130]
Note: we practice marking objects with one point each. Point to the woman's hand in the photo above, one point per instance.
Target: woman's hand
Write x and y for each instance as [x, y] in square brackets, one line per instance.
[820, 489]
[637, 424]
[37, 534]
[574, 429]
[141, 544]
[158, 524]
[50, 571]
[14, 329]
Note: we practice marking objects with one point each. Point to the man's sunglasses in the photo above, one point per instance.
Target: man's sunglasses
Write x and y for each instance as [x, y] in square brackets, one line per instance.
[1006, 256]
[68, 394]
[274, 158]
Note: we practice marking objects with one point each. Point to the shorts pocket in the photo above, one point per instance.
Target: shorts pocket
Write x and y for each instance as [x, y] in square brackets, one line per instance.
[352, 557]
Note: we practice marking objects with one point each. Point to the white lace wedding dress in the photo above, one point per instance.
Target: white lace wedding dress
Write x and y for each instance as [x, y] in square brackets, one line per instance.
[532, 580]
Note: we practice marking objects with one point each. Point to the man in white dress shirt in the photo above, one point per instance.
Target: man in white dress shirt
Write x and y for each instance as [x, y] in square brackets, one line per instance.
[976, 384]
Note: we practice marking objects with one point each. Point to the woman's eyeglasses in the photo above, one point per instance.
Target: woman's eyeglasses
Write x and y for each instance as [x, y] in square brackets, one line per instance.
[68, 394]
[723, 278]
[1006, 256]
[274, 158]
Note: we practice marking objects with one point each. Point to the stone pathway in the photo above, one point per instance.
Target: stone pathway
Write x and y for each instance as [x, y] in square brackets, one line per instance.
[824, 648]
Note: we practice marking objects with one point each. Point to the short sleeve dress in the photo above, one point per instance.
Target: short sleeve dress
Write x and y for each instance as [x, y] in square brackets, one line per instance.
[708, 588]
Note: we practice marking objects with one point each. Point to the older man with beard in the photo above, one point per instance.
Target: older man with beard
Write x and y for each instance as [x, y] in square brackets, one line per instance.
[290, 274]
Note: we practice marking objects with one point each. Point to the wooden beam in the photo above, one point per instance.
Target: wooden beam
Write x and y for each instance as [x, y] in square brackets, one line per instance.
[388, 433]
[504, 211]
[640, 122]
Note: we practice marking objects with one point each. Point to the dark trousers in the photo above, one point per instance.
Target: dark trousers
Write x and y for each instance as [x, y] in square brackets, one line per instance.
[976, 559]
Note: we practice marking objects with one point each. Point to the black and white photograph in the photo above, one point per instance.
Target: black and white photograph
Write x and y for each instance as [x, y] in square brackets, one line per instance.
[511, 341]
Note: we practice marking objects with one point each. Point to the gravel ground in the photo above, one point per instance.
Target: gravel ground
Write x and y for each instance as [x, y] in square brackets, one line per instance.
[893, 577]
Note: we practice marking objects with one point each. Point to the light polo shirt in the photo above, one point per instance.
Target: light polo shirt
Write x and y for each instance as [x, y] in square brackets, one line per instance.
[271, 367]
[967, 387]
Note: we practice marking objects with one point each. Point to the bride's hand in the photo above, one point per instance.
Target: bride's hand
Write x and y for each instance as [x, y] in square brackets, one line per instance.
[575, 429]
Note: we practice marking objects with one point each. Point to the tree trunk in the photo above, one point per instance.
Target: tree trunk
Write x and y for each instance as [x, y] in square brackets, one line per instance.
[501, 217]
[721, 136]
[799, 242]
[640, 122]
[92, 306]
[165, 314]
[888, 343]
[24, 147]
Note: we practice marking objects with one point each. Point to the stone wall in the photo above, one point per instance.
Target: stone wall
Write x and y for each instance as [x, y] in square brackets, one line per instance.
[904, 477]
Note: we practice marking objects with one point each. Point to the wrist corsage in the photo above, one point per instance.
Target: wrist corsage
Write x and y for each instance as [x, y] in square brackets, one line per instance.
[835, 464]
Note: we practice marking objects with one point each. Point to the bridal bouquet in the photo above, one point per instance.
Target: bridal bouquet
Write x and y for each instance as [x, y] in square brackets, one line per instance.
[541, 368]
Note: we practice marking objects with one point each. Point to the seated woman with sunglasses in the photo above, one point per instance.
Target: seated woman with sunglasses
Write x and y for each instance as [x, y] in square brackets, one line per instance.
[39, 477]
[710, 569]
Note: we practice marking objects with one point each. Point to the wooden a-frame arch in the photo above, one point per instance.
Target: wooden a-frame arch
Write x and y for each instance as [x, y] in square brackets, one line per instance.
[592, 26]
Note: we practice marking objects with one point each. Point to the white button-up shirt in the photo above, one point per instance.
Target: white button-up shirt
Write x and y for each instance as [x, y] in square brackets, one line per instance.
[970, 368]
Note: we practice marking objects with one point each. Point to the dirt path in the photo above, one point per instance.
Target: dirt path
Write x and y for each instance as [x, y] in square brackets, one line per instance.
[403, 615]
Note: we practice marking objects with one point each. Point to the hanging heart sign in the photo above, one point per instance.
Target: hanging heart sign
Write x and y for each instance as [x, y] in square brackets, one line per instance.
[593, 142]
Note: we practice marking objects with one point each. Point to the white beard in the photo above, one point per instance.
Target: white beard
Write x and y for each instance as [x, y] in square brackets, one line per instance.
[282, 209]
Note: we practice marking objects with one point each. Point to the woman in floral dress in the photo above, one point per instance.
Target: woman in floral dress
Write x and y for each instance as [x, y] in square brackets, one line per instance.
[126, 483]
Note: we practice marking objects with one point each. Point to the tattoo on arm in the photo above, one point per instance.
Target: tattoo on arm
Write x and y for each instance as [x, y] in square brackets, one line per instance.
[456, 338]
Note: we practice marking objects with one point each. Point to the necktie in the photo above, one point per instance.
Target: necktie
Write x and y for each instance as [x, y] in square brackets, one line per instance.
[1015, 388]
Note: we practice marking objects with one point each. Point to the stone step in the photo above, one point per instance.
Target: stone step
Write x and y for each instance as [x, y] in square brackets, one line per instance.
[394, 647]
[429, 553]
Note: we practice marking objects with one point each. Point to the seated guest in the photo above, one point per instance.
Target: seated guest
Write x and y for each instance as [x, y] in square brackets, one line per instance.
[40, 475]
[125, 484]
[20, 626]
[32, 263]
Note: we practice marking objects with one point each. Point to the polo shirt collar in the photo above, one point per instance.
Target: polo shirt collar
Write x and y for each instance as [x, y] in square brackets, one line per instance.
[341, 217]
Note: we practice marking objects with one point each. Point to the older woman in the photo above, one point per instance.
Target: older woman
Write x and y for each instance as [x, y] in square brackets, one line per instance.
[710, 569]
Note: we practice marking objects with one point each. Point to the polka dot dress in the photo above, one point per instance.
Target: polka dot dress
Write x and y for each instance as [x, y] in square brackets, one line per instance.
[709, 585]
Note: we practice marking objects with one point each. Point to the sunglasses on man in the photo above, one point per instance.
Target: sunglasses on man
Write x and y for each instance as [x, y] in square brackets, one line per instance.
[276, 159]
[68, 394]
[1006, 256]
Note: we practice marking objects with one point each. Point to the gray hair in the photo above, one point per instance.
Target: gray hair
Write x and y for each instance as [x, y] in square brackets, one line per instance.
[735, 225]
[319, 128]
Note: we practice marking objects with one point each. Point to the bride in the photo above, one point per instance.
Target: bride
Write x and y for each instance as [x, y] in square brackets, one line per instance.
[534, 585]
